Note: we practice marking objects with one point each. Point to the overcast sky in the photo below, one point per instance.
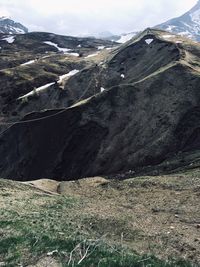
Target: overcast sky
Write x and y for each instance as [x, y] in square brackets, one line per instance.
[80, 17]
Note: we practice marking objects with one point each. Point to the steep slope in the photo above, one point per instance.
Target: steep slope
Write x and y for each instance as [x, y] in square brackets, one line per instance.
[143, 118]
[188, 24]
[127, 64]
[8, 26]
[30, 61]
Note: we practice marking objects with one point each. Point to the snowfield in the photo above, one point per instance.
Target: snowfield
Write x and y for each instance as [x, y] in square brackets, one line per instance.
[62, 49]
[56, 45]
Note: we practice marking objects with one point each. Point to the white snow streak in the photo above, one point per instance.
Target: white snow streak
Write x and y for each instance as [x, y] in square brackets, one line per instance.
[10, 39]
[39, 89]
[101, 47]
[69, 74]
[64, 50]
[28, 62]
[168, 36]
[56, 45]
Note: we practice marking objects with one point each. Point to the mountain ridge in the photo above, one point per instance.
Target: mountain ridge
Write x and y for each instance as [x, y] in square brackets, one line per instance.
[9, 26]
[187, 24]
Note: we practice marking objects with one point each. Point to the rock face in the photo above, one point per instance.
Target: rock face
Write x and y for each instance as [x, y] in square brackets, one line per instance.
[9, 26]
[187, 24]
[148, 112]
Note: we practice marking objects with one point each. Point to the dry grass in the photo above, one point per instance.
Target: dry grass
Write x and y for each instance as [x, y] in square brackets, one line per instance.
[149, 215]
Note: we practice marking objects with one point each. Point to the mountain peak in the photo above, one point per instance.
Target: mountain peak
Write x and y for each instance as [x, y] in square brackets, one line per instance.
[9, 26]
[186, 25]
[195, 7]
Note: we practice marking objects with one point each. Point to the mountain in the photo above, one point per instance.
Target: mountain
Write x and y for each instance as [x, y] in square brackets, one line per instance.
[34, 60]
[187, 24]
[9, 26]
[125, 37]
[138, 108]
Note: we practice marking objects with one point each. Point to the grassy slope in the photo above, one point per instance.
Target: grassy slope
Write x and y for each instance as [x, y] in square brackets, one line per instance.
[106, 220]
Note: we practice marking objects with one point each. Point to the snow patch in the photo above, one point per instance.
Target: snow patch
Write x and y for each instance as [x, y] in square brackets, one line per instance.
[56, 45]
[92, 55]
[102, 89]
[28, 62]
[64, 50]
[101, 47]
[186, 33]
[168, 36]
[122, 76]
[149, 41]
[69, 74]
[170, 28]
[37, 90]
[10, 39]
[72, 54]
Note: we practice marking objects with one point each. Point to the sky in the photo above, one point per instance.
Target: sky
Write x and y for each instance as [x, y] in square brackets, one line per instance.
[88, 17]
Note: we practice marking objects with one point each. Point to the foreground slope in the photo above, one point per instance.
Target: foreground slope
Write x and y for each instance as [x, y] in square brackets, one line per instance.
[148, 114]
[145, 221]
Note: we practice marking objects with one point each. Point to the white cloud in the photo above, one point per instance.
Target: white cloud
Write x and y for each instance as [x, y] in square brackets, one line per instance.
[89, 16]
[4, 12]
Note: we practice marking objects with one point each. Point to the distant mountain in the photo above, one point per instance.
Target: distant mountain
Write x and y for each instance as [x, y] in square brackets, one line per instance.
[122, 38]
[188, 24]
[104, 35]
[9, 26]
[126, 37]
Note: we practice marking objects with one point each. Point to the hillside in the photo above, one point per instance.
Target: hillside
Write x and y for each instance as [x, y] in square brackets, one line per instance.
[140, 110]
